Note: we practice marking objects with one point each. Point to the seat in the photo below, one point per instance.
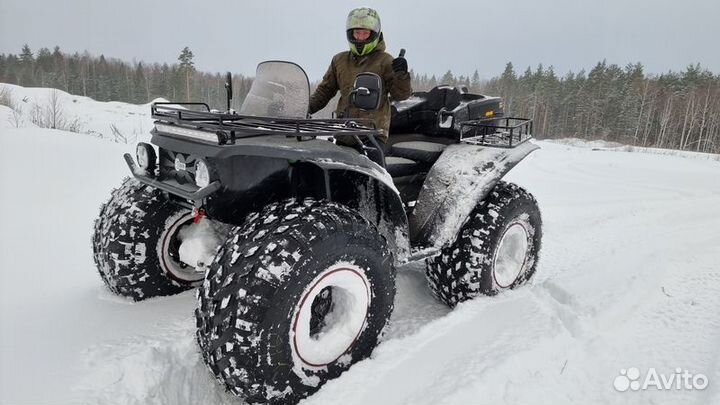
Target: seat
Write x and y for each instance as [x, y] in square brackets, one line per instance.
[420, 151]
[398, 167]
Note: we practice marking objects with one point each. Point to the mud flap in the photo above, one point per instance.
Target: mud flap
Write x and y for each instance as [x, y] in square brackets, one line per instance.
[461, 178]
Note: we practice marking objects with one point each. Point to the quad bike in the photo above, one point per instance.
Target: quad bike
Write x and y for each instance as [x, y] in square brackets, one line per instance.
[297, 281]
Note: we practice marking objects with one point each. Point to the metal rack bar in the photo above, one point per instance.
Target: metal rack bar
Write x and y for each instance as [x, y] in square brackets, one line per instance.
[492, 132]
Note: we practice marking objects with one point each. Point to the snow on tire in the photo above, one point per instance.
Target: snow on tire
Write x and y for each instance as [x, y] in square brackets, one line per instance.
[294, 297]
[496, 249]
[135, 243]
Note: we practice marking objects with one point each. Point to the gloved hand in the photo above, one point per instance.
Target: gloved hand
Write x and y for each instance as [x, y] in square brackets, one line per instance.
[400, 65]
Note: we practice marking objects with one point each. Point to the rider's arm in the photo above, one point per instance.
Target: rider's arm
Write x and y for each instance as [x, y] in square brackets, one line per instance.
[325, 91]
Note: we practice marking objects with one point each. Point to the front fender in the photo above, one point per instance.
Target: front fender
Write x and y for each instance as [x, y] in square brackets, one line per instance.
[371, 191]
[462, 177]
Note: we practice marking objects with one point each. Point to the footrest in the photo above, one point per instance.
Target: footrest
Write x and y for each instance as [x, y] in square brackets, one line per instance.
[421, 151]
[398, 167]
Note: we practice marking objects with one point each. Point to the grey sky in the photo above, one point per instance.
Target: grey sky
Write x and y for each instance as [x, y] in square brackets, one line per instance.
[457, 35]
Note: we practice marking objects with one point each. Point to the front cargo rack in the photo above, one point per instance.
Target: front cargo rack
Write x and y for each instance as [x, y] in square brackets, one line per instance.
[224, 128]
[504, 132]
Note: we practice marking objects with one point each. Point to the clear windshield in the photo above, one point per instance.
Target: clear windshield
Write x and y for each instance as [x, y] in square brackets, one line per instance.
[280, 89]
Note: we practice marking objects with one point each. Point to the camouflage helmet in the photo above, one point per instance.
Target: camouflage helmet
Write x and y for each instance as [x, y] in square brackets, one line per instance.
[363, 18]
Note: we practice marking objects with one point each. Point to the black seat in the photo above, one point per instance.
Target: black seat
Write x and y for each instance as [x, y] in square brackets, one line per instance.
[398, 167]
[447, 97]
[420, 151]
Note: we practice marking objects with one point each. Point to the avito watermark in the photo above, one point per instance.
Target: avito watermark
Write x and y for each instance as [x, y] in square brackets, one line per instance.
[633, 379]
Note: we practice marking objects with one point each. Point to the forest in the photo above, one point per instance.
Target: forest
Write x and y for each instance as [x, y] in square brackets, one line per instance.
[673, 110]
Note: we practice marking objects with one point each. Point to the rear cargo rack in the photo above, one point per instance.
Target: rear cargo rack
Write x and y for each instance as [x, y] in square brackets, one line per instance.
[222, 128]
[505, 132]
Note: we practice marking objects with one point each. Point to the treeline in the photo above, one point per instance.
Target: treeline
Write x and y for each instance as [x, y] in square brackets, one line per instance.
[109, 79]
[622, 104]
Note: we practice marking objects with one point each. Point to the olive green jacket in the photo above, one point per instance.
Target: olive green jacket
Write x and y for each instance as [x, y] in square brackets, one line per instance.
[341, 76]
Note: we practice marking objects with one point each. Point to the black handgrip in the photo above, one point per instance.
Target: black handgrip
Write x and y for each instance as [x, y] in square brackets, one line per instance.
[402, 53]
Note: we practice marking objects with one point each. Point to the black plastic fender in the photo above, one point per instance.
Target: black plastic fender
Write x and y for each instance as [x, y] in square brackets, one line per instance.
[461, 178]
[370, 190]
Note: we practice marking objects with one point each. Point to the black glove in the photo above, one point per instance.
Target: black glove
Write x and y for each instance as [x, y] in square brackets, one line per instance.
[400, 65]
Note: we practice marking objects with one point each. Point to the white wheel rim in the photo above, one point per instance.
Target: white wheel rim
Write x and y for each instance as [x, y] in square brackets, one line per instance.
[172, 265]
[343, 323]
[510, 255]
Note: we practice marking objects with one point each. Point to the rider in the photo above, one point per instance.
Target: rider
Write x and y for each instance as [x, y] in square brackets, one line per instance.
[366, 54]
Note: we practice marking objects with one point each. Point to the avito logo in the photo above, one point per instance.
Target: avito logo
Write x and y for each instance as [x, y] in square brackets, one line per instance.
[632, 379]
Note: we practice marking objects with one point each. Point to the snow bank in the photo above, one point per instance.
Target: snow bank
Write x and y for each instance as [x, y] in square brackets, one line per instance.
[116, 121]
[599, 145]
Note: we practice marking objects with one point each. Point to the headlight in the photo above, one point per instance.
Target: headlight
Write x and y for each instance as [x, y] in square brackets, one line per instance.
[146, 157]
[202, 173]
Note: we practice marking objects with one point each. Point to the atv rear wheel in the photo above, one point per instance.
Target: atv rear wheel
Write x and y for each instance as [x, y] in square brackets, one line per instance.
[136, 245]
[294, 297]
[496, 249]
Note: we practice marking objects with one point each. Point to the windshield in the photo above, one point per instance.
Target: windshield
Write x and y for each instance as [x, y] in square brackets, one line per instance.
[280, 89]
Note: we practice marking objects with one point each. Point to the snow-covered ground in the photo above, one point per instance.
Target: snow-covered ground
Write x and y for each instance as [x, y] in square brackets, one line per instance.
[629, 277]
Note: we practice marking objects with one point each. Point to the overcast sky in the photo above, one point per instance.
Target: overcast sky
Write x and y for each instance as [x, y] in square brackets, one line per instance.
[460, 35]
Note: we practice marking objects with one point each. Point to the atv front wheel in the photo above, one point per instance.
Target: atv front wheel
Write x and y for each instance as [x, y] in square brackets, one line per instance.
[294, 297]
[496, 249]
[136, 244]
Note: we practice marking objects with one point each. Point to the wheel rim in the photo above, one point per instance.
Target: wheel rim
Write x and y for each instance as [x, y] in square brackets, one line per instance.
[170, 252]
[331, 315]
[510, 255]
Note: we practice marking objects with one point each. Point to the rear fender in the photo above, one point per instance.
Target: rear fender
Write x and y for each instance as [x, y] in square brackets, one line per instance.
[457, 182]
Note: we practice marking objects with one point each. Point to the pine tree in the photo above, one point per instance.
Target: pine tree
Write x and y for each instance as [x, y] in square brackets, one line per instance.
[26, 55]
[73, 68]
[141, 85]
[632, 104]
[102, 81]
[475, 82]
[448, 79]
[3, 68]
[61, 74]
[27, 62]
[167, 86]
[508, 83]
[44, 68]
[187, 68]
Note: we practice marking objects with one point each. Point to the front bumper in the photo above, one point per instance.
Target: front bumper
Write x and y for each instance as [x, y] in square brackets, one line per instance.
[187, 192]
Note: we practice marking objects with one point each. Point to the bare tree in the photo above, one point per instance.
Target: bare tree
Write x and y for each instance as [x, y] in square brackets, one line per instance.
[703, 119]
[6, 98]
[36, 116]
[643, 98]
[55, 117]
[665, 122]
[118, 136]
